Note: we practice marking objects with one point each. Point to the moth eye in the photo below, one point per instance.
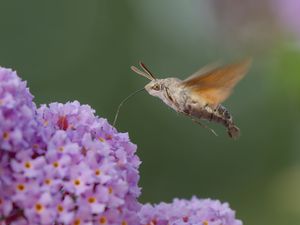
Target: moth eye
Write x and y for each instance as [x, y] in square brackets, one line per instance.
[156, 87]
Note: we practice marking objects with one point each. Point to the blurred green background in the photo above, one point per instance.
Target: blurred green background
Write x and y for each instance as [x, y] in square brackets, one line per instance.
[82, 50]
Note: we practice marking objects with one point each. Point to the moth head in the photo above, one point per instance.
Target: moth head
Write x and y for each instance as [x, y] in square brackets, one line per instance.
[155, 86]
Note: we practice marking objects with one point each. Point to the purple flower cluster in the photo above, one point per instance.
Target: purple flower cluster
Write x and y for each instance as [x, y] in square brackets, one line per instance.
[184, 212]
[17, 120]
[60, 164]
[79, 170]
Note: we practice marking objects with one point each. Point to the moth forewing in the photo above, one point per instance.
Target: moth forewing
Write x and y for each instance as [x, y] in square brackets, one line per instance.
[204, 70]
[216, 85]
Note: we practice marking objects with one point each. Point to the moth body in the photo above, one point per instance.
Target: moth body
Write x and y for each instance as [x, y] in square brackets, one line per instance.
[200, 95]
[181, 99]
[219, 115]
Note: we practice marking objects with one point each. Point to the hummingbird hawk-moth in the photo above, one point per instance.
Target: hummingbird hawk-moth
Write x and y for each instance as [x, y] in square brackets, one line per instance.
[201, 94]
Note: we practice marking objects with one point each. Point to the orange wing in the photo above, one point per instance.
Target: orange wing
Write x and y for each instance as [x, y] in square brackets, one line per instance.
[216, 85]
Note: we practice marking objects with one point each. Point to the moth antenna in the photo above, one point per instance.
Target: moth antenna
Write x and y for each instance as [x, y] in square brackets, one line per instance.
[144, 67]
[138, 71]
[122, 102]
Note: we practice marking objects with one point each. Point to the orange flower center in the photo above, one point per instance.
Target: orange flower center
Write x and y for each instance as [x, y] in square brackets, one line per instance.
[77, 182]
[205, 222]
[91, 200]
[98, 172]
[102, 220]
[77, 222]
[153, 222]
[38, 207]
[27, 165]
[55, 164]
[60, 208]
[48, 181]
[5, 135]
[46, 123]
[21, 187]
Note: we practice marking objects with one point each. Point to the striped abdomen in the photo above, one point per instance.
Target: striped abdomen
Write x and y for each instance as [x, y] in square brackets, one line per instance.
[218, 115]
[222, 115]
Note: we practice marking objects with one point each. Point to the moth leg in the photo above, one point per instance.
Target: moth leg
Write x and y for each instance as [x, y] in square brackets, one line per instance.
[198, 122]
[204, 126]
[217, 108]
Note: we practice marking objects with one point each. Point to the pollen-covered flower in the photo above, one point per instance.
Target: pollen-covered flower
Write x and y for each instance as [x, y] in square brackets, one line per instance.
[184, 212]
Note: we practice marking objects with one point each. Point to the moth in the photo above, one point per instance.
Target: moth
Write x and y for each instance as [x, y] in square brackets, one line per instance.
[201, 94]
